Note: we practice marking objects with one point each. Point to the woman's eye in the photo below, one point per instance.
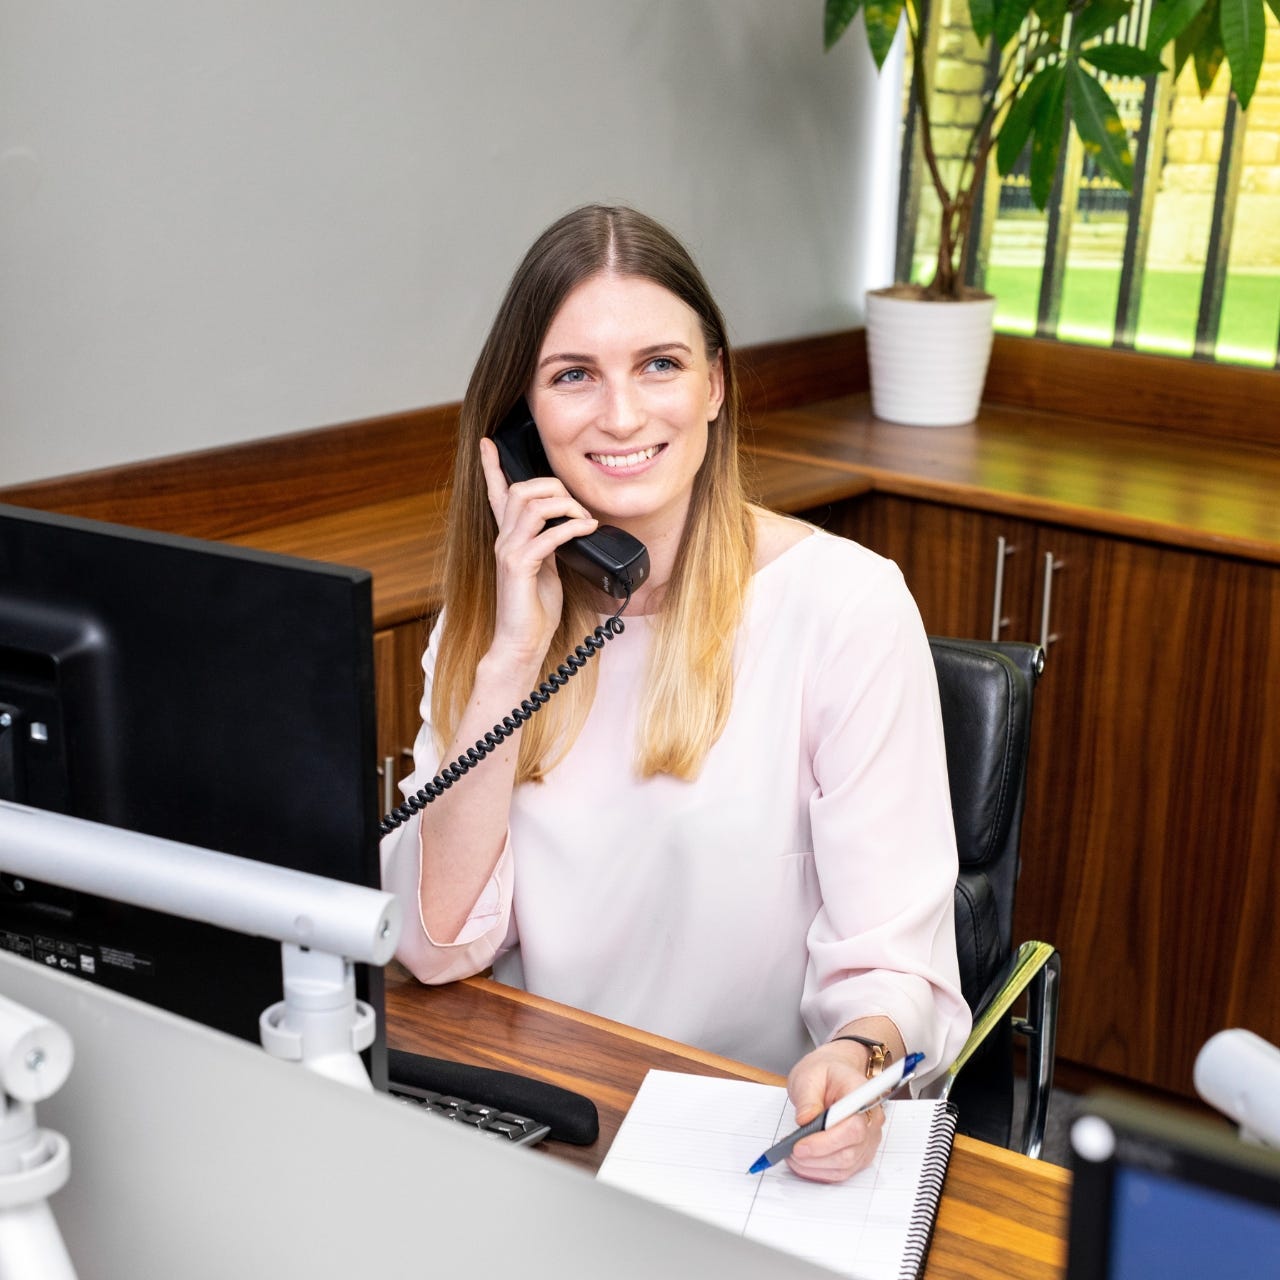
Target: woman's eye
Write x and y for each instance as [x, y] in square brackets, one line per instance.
[663, 364]
[571, 375]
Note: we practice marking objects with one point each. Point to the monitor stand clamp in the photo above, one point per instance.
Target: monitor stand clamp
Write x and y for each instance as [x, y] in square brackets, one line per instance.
[319, 1023]
[35, 1059]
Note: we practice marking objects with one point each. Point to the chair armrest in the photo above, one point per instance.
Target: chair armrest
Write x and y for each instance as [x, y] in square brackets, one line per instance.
[1038, 966]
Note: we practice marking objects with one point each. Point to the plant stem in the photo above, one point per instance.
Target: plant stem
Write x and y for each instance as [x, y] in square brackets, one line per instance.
[943, 284]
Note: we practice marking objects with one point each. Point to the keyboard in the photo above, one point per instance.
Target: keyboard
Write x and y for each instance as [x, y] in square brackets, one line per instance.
[503, 1105]
[493, 1121]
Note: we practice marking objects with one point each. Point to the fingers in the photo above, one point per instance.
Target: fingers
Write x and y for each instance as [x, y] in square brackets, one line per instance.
[821, 1078]
[522, 510]
[529, 597]
[841, 1151]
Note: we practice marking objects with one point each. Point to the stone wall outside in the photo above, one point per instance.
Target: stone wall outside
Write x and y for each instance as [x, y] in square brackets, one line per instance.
[1184, 200]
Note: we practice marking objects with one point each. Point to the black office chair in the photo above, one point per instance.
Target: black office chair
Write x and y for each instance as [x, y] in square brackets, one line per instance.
[986, 690]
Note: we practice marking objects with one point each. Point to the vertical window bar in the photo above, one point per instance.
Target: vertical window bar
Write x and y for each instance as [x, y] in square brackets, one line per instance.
[1230, 164]
[1062, 204]
[1147, 163]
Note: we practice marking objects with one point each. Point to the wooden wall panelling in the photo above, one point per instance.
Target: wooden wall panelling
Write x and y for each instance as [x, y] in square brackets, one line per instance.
[239, 489]
[1228, 401]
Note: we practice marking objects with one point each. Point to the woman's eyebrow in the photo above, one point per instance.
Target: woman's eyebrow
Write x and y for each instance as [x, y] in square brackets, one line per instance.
[664, 346]
[573, 357]
[567, 357]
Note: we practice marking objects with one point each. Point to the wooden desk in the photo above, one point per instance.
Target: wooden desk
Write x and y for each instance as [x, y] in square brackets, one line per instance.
[1002, 1216]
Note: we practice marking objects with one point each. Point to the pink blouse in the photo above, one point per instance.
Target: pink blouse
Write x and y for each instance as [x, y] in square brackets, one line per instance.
[804, 879]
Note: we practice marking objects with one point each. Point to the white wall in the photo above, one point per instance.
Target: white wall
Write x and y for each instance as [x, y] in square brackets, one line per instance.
[228, 219]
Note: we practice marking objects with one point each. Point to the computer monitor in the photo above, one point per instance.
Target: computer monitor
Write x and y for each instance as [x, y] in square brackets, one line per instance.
[197, 691]
[1158, 1193]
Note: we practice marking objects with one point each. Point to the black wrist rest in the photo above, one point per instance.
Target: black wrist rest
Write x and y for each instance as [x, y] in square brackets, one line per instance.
[572, 1117]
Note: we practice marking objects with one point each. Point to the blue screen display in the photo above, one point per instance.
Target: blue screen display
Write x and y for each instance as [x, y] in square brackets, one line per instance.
[1163, 1227]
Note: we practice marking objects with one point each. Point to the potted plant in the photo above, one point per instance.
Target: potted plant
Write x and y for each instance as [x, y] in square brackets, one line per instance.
[1047, 79]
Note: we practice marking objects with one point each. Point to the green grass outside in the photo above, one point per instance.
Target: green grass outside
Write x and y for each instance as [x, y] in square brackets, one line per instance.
[1166, 316]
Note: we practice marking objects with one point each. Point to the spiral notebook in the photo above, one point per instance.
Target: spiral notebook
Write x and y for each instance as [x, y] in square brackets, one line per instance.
[688, 1141]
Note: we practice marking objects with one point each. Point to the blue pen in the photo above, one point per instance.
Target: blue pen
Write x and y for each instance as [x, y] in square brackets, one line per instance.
[875, 1091]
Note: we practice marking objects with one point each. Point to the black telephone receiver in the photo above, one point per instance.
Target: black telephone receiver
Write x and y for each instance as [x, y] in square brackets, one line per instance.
[610, 558]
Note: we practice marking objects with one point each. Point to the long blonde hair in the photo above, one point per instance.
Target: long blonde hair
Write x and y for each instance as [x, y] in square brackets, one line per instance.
[690, 686]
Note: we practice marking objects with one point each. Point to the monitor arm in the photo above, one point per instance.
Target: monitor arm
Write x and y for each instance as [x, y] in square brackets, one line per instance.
[324, 927]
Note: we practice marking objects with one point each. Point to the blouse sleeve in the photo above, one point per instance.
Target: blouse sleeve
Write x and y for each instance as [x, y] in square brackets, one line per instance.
[484, 934]
[883, 941]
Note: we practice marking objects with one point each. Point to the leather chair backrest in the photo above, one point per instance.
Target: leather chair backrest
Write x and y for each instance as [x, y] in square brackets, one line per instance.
[986, 693]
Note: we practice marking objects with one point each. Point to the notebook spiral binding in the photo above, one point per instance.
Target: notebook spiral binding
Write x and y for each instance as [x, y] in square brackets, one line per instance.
[924, 1212]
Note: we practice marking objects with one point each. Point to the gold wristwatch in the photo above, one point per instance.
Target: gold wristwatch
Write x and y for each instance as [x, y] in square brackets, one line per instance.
[878, 1053]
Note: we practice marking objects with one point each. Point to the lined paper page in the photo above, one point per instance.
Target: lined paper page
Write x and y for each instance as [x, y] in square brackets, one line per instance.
[688, 1141]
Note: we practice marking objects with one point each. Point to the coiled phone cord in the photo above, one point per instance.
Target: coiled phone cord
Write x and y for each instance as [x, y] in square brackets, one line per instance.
[555, 681]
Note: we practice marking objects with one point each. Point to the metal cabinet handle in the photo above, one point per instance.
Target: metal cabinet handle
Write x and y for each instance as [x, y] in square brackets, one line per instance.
[387, 774]
[1051, 566]
[1004, 549]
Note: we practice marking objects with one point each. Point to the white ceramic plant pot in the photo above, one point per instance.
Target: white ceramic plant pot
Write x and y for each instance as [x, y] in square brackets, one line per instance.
[928, 359]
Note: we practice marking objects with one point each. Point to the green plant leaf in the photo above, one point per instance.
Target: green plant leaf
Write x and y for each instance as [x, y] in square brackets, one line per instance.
[1169, 18]
[1094, 17]
[1046, 135]
[1022, 116]
[1052, 12]
[1208, 53]
[1243, 25]
[1275, 8]
[1009, 17]
[1098, 123]
[982, 14]
[836, 18]
[1203, 28]
[1123, 59]
[882, 18]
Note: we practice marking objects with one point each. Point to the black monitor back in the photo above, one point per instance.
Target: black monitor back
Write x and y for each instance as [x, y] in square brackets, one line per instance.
[197, 691]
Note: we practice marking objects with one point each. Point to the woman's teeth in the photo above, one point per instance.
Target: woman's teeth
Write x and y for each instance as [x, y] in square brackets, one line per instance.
[625, 459]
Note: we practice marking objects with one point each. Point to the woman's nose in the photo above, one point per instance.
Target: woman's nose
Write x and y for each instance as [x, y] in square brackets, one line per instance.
[624, 411]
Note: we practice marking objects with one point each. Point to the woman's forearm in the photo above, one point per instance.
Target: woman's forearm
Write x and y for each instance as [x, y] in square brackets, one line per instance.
[463, 831]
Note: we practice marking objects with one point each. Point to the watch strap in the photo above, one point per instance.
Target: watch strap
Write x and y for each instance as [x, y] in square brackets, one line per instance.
[880, 1056]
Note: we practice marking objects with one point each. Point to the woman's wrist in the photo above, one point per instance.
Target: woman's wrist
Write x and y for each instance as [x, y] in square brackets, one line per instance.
[506, 676]
[878, 1054]
[860, 1038]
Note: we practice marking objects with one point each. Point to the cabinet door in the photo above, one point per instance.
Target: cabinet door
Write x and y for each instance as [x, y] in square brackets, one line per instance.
[397, 661]
[1149, 838]
[1149, 843]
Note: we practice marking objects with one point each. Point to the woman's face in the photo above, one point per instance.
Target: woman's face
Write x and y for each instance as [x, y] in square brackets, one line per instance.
[622, 396]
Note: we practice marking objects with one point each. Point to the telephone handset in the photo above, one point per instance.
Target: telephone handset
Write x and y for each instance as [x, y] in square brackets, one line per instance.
[610, 558]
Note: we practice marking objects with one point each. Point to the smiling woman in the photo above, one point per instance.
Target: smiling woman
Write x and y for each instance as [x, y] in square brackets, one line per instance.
[733, 826]
[625, 420]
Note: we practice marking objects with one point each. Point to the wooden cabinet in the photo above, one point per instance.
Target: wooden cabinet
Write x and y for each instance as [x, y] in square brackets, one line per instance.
[397, 662]
[1150, 848]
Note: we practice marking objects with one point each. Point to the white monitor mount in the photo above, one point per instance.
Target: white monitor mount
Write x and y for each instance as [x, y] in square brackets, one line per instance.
[324, 927]
[35, 1058]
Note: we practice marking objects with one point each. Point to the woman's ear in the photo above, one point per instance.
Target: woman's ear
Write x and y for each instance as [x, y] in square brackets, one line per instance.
[715, 386]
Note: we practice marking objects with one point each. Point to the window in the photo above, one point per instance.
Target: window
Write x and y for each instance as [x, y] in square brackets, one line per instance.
[1187, 263]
